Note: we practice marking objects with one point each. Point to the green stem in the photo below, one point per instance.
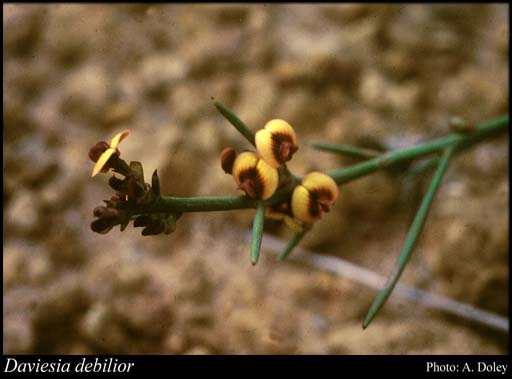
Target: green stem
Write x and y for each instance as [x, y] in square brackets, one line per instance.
[463, 141]
[236, 122]
[197, 204]
[291, 245]
[422, 167]
[351, 151]
[412, 236]
[257, 232]
[226, 203]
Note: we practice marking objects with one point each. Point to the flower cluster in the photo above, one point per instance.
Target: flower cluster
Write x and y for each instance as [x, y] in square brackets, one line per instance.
[130, 192]
[258, 175]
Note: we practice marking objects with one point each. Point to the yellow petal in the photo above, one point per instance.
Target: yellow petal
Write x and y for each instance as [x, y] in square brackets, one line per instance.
[263, 139]
[102, 160]
[273, 215]
[282, 127]
[118, 138]
[244, 161]
[293, 224]
[301, 204]
[315, 181]
[270, 178]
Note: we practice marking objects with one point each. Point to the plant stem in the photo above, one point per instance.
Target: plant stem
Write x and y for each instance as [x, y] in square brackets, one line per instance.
[257, 232]
[226, 203]
[412, 237]
[297, 237]
[236, 122]
[422, 167]
[386, 160]
[351, 151]
[199, 204]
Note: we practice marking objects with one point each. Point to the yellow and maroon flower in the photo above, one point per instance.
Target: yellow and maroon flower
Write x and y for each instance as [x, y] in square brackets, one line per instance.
[255, 177]
[276, 142]
[102, 152]
[313, 197]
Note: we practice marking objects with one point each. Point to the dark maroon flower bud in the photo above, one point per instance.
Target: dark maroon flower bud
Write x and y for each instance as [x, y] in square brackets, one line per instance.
[96, 150]
[155, 184]
[135, 190]
[124, 224]
[227, 158]
[153, 229]
[111, 213]
[101, 225]
[99, 211]
[123, 218]
[108, 203]
[115, 183]
[143, 220]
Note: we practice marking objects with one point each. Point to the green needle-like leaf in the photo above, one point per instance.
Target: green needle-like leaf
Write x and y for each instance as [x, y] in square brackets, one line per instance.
[155, 184]
[351, 151]
[257, 232]
[412, 237]
[236, 122]
[389, 159]
[291, 245]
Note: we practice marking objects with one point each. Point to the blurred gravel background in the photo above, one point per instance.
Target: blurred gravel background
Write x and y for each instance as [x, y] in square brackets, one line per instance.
[375, 75]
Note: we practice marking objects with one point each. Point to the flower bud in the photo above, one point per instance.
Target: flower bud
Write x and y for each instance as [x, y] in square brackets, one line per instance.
[99, 211]
[313, 196]
[255, 177]
[227, 158]
[102, 152]
[276, 143]
[115, 183]
[134, 188]
[155, 184]
[101, 225]
[143, 220]
[155, 228]
[97, 149]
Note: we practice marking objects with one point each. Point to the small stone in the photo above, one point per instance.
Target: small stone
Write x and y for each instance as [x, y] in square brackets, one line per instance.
[400, 64]
[197, 315]
[64, 300]
[130, 279]
[255, 110]
[85, 92]
[100, 330]
[147, 312]
[379, 93]
[64, 246]
[160, 72]
[24, 24]
[174, 344]
[18, 306]
[206, 136]
[15, 259]
[346, 13]
[39, 270]
[23, 212]
[118, 113]
[198, 350]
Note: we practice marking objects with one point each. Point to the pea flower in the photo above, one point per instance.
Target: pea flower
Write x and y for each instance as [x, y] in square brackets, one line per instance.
[276, 142]
[313, 196]
[102, 152]
[254, 176]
